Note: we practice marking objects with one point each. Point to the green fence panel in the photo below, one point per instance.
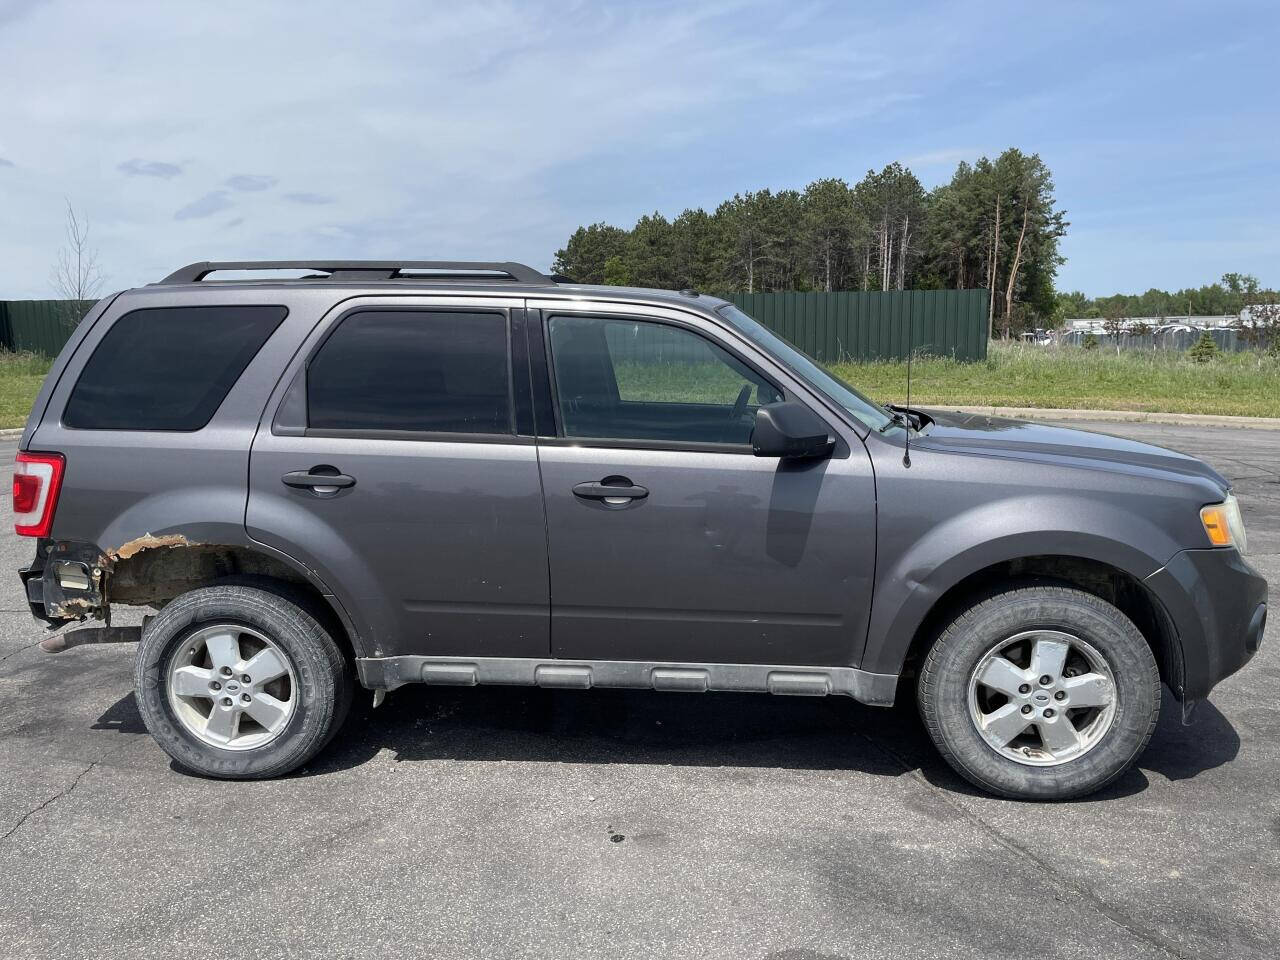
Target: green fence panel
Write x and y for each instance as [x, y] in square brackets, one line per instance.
[831, 327]
[40, 326]
[875, 325]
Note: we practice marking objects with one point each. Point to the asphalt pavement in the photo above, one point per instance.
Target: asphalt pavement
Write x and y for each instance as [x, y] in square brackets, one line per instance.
[508, 822]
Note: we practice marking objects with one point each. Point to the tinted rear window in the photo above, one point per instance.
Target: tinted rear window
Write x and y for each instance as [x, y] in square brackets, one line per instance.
[168, 368]
[418, 371]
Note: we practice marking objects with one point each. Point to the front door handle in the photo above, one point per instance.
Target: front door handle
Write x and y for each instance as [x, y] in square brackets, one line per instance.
[319, 482]
[613, 490]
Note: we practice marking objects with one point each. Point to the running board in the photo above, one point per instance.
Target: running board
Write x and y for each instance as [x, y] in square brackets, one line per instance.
[387, 673]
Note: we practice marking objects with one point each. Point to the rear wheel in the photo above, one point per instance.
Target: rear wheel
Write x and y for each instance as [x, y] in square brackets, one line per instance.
[1040, 693]
[240, 682]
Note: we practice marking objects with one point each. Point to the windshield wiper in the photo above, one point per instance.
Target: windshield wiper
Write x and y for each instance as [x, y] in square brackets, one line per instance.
[913, 417]
[896, 419]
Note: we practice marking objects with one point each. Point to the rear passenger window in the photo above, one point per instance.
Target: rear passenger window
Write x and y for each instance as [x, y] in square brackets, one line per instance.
[413, 370]
[167, 368]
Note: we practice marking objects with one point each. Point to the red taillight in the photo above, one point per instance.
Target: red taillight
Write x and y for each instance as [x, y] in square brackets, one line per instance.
[37, 477]
[26, 492]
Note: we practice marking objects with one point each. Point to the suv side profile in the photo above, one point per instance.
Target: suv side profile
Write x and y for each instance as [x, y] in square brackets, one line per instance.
[466, 473]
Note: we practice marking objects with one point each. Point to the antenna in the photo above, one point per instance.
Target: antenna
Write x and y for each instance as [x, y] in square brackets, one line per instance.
[906, 450]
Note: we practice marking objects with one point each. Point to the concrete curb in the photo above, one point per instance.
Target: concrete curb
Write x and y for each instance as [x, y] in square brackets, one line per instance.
[13, 433]
[1119, 416]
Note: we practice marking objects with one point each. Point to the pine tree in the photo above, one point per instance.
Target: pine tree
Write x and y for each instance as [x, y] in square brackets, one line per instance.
[994, 226]
[1205, 349]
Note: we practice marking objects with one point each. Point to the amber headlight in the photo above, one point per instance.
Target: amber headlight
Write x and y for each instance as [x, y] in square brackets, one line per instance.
[1223, 524]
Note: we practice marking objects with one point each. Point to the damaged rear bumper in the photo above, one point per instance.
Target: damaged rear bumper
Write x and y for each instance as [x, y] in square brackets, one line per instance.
[66, 582]
[71, 580]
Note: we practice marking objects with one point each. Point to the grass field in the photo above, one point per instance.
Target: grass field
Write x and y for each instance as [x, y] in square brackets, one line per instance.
[20, 377]
[1016, 375]
[1241, 384]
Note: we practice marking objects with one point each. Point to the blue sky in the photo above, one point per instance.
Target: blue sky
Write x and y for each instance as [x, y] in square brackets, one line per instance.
[490, 130]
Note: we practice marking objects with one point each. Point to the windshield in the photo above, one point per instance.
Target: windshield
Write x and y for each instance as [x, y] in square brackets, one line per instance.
[807, 369]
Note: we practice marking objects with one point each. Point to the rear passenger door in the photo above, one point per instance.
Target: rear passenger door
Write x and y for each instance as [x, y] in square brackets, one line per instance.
[391, 460]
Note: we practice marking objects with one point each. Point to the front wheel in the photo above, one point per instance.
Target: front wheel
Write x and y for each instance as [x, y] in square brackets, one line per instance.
[239, 682]
[1040, 693]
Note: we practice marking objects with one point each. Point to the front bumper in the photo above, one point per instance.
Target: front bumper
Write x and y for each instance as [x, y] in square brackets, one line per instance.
[1218, 606]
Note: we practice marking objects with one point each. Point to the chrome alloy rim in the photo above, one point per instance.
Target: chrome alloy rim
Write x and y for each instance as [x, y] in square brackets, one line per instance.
[231, 687]
[1042, 697]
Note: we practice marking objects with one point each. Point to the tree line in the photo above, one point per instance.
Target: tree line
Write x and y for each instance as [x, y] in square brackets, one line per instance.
[995, 225]
[1232, 294]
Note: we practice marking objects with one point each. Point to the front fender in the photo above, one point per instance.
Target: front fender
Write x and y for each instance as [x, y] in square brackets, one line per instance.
[919, 566]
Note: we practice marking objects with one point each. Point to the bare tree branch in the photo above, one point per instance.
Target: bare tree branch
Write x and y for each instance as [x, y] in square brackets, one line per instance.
[76, 276]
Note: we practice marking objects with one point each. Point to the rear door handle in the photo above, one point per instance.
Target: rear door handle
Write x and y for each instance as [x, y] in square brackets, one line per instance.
[610, 492]
[318, 482]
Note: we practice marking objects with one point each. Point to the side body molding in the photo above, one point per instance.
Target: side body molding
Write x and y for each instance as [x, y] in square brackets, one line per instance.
[388, 673]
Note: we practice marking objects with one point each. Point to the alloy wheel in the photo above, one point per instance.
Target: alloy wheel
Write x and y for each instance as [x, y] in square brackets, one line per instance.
[232, 687]
[1042, 697]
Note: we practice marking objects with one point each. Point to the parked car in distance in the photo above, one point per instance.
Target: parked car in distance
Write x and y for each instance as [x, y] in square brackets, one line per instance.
[469, 473]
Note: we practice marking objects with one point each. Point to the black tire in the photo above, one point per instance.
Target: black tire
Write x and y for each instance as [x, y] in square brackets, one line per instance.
[323, 690]
[943, 691]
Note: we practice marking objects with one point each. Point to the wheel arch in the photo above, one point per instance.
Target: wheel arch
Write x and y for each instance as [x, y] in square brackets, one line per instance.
[156, 574]
[1108, 582]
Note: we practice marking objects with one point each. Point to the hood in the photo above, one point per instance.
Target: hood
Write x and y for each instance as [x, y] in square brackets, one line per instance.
[995, 436]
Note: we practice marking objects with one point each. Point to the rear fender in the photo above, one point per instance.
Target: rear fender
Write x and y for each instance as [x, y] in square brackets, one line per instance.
[71, 580]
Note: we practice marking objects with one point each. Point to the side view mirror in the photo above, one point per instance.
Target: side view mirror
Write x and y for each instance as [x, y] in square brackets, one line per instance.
[792, 431]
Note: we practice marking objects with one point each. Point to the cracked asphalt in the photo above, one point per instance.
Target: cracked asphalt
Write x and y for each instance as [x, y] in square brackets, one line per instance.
[505, 822]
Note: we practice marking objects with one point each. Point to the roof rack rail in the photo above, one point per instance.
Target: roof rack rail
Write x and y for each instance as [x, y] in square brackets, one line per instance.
[474, 270]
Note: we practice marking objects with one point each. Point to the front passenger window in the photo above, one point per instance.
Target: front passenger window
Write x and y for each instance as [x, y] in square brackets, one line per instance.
[641, 380]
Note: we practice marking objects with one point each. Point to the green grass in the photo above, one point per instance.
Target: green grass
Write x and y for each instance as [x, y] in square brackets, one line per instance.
[1017, 375]
[20, 377]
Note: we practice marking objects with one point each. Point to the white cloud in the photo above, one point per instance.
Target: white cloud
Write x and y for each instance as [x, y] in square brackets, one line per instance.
[492, 128]
[485, 130]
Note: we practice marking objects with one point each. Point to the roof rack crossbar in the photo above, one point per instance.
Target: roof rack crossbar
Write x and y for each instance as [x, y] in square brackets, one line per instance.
[373, 270]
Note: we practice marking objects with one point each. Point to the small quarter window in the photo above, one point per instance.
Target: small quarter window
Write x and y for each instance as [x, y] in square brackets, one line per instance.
[413, 370]
[168, 368]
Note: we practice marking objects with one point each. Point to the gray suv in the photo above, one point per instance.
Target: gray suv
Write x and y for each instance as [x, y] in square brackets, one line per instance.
[466, 473]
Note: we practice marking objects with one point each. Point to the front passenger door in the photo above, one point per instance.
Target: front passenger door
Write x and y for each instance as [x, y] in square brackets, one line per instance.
[668, 540]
